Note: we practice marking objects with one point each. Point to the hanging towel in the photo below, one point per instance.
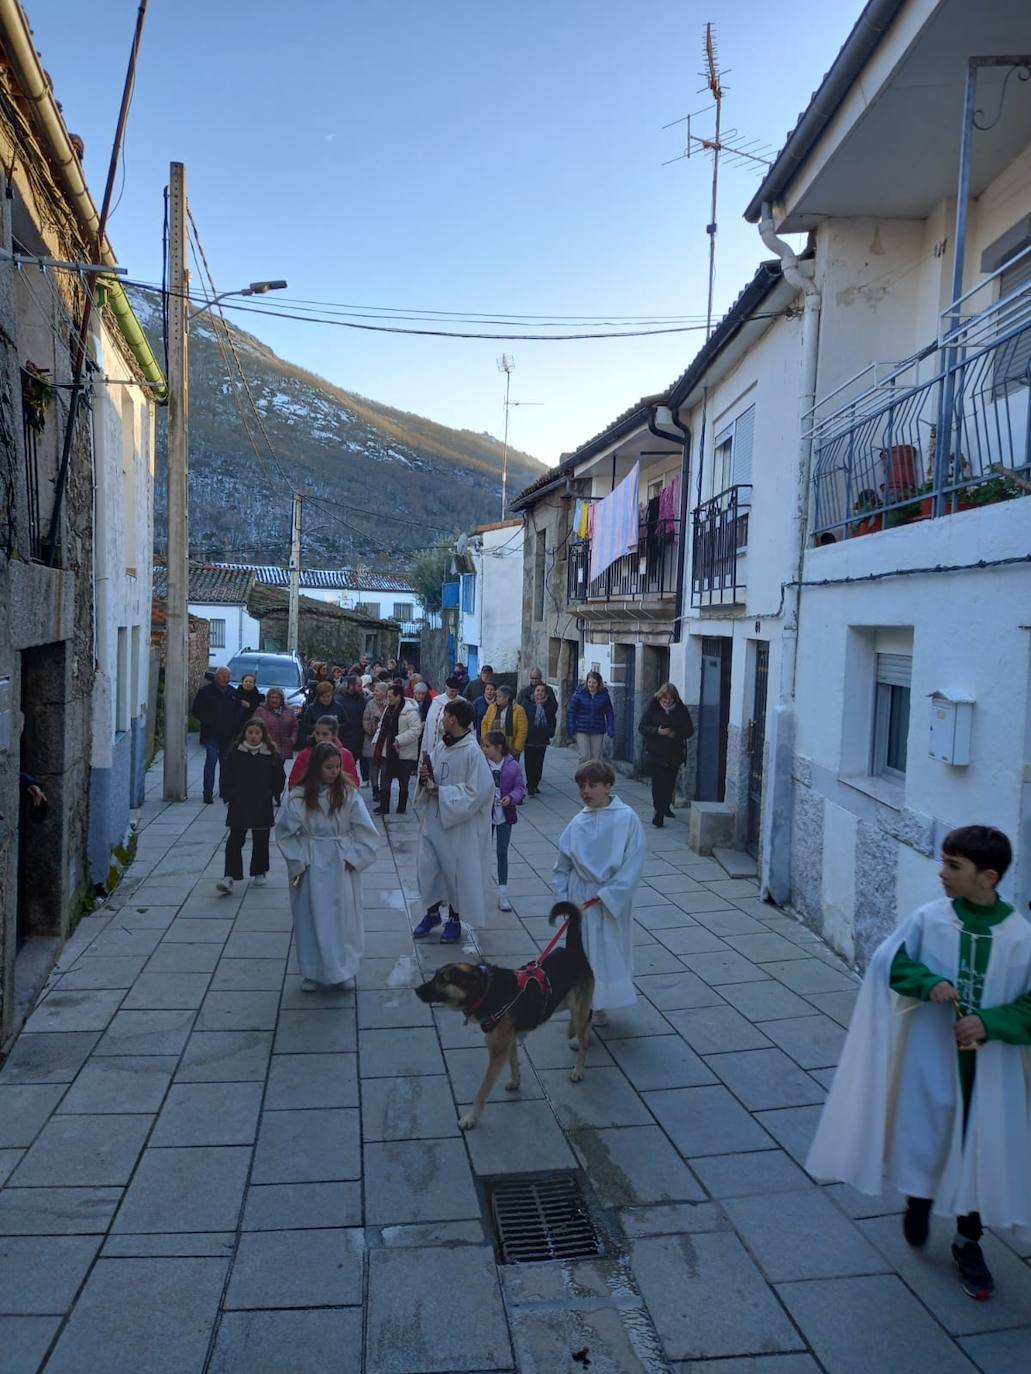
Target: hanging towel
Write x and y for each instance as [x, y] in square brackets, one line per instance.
[616, 524]
[577, 517]
[583, 528]
[669, 509]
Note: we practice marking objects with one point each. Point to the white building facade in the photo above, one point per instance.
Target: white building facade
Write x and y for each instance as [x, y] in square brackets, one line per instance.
[490, 571]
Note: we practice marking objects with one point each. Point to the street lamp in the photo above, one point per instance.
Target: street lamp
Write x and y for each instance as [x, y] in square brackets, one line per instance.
[256, 288]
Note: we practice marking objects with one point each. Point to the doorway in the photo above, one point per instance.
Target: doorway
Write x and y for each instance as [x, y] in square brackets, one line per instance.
[714, 718]
[40, 845]
[472, 665]
[757, 746]
[621, 690]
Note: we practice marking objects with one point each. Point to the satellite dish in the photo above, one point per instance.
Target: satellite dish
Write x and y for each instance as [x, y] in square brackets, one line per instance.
[461, 544]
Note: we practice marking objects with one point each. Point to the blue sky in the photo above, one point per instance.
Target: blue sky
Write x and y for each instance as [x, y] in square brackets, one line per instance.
[454, 156]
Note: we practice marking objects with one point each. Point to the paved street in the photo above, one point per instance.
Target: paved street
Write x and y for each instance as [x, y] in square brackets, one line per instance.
[208, 1170]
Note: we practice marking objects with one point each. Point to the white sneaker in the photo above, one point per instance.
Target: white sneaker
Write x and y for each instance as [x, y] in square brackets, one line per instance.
[258, 877]
[309, 985]
[599, 1018]
[503, 903]
[224, 885]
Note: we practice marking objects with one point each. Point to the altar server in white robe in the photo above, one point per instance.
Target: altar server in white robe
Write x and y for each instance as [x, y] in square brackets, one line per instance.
[454, 804]
[601, 855]
[912, 1103]
[326, 836]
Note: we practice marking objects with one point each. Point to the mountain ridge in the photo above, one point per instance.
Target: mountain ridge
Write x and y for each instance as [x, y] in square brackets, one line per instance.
[386, 475]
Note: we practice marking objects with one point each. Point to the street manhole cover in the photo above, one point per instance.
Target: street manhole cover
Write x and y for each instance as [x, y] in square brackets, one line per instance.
[541, 1218]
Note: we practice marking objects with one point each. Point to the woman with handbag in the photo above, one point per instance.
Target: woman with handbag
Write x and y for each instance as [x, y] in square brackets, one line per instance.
[666, 726]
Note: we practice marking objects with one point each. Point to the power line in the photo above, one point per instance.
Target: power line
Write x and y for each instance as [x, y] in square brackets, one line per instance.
[378, 515]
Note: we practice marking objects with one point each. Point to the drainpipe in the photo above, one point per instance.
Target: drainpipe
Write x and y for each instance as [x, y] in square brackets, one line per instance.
[684, 438]
[776, 865]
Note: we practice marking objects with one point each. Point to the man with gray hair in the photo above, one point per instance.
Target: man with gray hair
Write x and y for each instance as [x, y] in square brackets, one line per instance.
[216, 707]
[526, 697]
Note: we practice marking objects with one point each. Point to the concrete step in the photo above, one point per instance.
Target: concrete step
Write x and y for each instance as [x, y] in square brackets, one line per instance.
[736, 862]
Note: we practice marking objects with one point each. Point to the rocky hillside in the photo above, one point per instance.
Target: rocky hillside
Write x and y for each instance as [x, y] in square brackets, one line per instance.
[331, 444]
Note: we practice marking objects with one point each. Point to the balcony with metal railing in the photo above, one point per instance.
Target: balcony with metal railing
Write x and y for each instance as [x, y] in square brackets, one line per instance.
[645, 574]
[718, 547]
[944, 431]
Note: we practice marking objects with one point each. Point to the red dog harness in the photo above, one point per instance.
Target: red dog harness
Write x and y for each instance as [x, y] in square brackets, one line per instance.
[529, 973]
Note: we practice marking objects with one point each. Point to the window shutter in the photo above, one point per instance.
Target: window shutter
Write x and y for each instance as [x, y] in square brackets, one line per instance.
[741, 454]
[895, 669]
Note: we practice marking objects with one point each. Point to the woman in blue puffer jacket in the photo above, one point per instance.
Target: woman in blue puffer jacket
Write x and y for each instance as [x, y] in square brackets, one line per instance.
[590, 717]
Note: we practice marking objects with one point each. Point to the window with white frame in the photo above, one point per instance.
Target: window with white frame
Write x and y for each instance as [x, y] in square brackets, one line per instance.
[404, 610]
[732, 452]
[217, 634]
[893, 673]
[468, 593]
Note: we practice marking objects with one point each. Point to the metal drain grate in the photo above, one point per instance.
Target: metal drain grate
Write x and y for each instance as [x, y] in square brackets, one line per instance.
[539, 1219]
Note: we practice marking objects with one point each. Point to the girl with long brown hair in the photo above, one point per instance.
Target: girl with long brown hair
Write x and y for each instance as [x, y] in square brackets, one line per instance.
[326, 837]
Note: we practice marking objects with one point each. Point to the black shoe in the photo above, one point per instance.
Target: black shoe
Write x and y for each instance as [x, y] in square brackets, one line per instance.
[381, 811]
[658, 822]
[974, 1274]
[915, 1225]
[209, 801]
[670, 813]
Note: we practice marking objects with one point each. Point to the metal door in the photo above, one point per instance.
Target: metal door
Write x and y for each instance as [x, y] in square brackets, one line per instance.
[757, 746]
[473, 666]
[621, 690]
[713, 718]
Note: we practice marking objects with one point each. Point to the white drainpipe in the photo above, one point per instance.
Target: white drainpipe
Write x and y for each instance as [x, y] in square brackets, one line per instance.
[776, 861]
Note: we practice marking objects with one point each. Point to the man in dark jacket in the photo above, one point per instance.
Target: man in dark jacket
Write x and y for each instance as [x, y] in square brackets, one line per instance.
[352, 704]
[217, 708]
[323, 704]
[526, 697]
[475, 689]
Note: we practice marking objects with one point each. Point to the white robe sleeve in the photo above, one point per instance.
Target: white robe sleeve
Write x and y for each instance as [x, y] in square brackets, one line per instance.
[617, 894]
[359, 840]
[291, 838]
[560, 875]
[459, 801]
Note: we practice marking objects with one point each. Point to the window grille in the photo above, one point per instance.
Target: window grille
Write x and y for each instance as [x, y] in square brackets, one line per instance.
[217, 635]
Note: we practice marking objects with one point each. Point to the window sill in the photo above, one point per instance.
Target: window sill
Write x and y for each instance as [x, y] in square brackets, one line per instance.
[890, 793]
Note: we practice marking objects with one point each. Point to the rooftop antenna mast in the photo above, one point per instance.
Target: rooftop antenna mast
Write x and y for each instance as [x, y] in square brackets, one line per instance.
[723, 143]
[505, 364]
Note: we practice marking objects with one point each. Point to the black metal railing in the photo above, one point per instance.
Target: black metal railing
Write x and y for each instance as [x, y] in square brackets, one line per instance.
[31, 433]
[719, 540]
[931, 437]
[649, 571]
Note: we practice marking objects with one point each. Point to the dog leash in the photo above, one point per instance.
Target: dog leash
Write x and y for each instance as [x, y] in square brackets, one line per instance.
[594, 901]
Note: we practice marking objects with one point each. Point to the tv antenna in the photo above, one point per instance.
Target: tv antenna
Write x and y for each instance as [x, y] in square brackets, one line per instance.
[506, 364]
[725, 143]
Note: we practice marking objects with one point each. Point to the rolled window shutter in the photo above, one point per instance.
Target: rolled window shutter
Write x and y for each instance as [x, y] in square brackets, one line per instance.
[741, 454]
[895, 669]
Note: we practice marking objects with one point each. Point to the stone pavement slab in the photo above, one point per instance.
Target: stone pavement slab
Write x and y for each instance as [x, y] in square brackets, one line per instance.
[706, 1121]
[57, 1211]
[24, 1109]
[708, 1299]
[319, 1146]
[297, 1269]
[120, 1083]
[24, 1341]
[41, 1274]
[742, 1175]
[142, 1314]
[764, 1079]
[855, 1325]
[296, 1206]
[209, 1114]
[411, 1108]
[409, 1332]
[635, 1165]
[802, 1235]
[717, 1029]
[518, 1138]
[48, 1057]
[311, 1080]
[73, 1151]
[1001, 1352]
[226, 1057]
[179, 1189]
[418, 1180]
[659, 1061]
[315, 1342]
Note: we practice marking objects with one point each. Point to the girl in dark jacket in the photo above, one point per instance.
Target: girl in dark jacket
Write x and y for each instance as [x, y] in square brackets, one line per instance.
[590, 717]
[666, 726]
[252, 780]
[541, 716]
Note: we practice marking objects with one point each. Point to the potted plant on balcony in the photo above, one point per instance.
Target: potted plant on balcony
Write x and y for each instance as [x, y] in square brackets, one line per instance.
[867, 506]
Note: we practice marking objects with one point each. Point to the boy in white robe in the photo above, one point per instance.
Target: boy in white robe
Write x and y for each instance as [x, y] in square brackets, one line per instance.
[601, 855]
[934, 1085]
[454, 802]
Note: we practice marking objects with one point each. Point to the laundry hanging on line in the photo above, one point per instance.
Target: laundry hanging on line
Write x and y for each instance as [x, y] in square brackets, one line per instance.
[616, 523]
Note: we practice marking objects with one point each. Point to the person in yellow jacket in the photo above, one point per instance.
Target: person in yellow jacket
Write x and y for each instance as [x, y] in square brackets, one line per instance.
[509, 717]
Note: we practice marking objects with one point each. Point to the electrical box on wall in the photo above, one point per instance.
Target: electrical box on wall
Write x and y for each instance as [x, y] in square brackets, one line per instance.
[951, 719]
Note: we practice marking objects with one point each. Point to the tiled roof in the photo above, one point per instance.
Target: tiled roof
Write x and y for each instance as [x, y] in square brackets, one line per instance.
[210, 584]
[339, 579]
[265, 600]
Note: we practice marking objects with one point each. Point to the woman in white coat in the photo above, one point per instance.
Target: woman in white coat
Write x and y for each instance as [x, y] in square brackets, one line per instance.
[326, 837]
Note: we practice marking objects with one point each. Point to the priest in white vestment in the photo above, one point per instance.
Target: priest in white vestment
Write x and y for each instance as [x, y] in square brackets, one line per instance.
[454, 802]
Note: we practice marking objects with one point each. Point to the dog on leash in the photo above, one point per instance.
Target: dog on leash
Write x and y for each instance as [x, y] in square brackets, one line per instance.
[509, 1003]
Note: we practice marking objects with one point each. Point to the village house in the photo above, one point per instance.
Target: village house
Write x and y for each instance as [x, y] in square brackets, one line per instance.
[483, 596]
[75, 536]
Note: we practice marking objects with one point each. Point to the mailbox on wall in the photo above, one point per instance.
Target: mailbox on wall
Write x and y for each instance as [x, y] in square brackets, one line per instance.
[951, 718]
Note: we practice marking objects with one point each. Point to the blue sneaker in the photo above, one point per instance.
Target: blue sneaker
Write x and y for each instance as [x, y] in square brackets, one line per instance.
[428, 923]
[452, 931]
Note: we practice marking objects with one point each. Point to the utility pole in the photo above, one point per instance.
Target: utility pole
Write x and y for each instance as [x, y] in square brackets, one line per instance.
[295, 577]
[505, 364]
[177, 635]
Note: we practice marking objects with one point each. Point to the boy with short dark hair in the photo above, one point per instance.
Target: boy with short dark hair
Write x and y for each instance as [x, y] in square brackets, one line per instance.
[601, 855]
[933, 1089]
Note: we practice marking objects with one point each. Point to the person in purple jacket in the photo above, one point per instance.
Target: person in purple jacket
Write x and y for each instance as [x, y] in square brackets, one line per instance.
[509, 791]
